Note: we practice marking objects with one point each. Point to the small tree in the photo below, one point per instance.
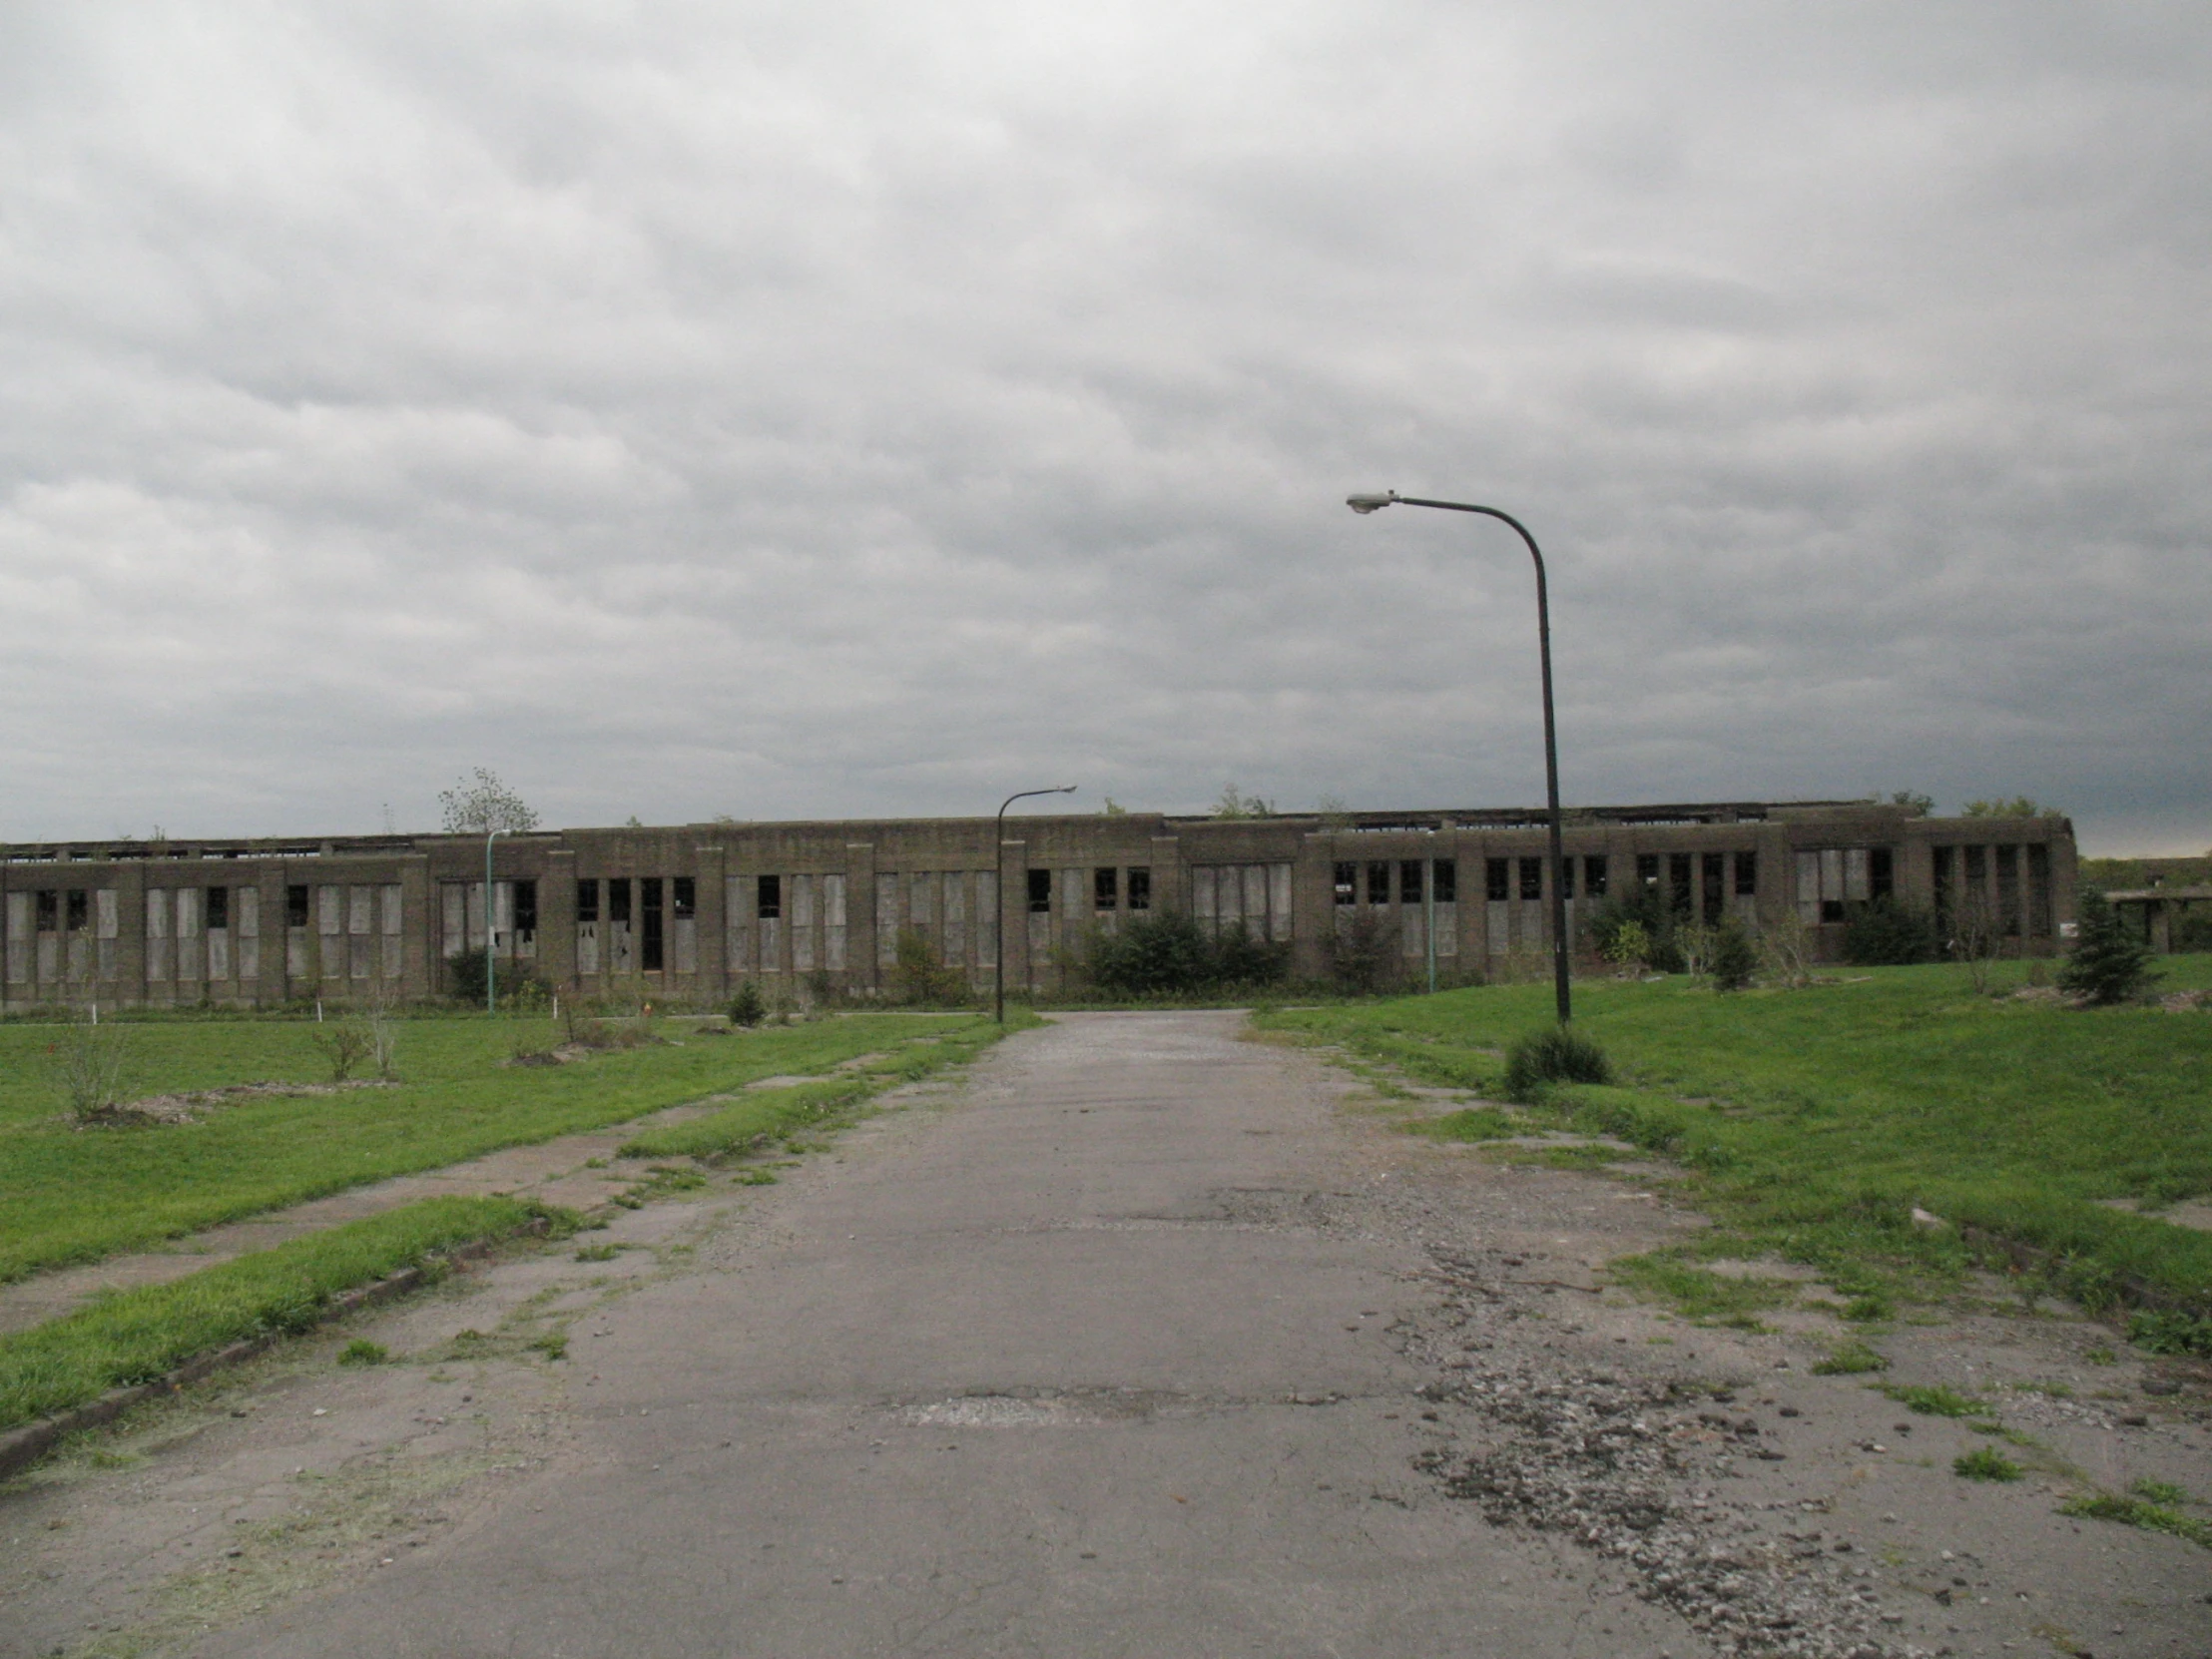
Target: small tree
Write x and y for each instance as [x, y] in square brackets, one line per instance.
[1976, 935]
[1785, 950]
[745, 1007]
[1628, 949]
[2106, 965]
[1732, 959]
[91, 1063]
[345, 1043]
[485, 807]
[921, 977]
[1233, 804]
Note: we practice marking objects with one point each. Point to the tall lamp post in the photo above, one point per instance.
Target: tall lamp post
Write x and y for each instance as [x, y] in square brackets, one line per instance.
[998, 864]
[491, 931]
[1559, 977]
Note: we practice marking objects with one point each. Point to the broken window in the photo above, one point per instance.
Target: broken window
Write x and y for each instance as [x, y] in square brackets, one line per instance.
[1594, 875]
[295, 907]
[1140, 889]
[219, 907]
[1106, 887]
[1040, 892]
[1827, 879]
[1379, 883]
[1409, 882]
[78, 909]
[1943, 879]
[2008, 889]
[1498, 879]
[1747, 874]
[49, 909]
[618, 898]
[1347, 883]
[1532, 878]
[1566, 878]
[587, 898]
[1881, 878]
[1647, 871]
[2038, 889]
[770, 904]
[1443, 881]
[1679, 893]
[684, 898]
[1713, 878]
[526, 910]
[650, 945]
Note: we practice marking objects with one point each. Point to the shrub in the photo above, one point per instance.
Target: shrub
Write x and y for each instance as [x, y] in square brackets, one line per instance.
[91, 1063]
[745, 1007]
[1553, 1055]
[1167, 954]
[2170, 1333]
[2192, 930]
[1661, 944]
[464, 978]
[345, 1043]
[1357, 952]
[2107, 965]
[920, 977]
[1888, 934]
[1733, 960]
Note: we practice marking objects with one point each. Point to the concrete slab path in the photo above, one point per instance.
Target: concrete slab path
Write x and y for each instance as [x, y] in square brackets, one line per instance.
[1055, 1379]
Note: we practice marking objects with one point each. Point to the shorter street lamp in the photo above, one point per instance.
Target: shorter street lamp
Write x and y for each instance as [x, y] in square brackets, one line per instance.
[998, 863]
[1391, 498]
[491, 931]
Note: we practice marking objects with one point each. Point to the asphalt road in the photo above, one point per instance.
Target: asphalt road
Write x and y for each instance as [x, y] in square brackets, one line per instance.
[1057, 1370]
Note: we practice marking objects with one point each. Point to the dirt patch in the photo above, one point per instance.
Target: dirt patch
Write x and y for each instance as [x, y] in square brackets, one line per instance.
[192, 1107]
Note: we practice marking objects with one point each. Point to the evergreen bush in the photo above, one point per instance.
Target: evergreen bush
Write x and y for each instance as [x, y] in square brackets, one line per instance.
[745, 1007]
[1889, 934]
[1167, 954]
[2106, 965]
[1732, 961]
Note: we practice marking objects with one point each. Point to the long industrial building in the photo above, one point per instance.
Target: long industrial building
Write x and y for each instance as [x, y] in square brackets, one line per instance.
[682, 916]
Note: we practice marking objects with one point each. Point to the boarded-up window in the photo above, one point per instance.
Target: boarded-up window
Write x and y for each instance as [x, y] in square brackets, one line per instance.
[245, 928]
[1827, 879]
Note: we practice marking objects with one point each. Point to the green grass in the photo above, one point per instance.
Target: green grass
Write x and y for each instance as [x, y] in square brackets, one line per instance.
[1852, 1360]
[1482, 1123]
[1986, 1463]
[1813, 1122]
[767, 1114]
[138, 1335]
[1934, 1400]
[75, 1196]
[1702, 1295]
[2136, 1511]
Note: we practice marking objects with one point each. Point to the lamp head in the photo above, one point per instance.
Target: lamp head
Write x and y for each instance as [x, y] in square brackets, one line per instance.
[1065, 789]
[1370, 503]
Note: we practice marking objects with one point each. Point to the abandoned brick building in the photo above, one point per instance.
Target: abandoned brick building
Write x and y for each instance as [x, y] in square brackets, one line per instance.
[685, 913]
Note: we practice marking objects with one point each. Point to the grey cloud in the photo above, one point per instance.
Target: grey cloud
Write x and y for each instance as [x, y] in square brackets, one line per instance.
[846, 410]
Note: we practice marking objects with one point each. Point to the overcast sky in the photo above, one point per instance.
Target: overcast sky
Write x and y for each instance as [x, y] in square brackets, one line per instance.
[825, 408]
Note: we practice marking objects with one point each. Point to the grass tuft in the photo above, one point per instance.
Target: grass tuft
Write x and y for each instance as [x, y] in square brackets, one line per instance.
[1933, 1399]
[1852, 1360]
[2136, 1511]
[1986, 1463]
[361, 1351]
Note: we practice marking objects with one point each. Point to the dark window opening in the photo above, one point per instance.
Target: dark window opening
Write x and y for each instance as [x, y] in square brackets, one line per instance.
[78, 908]
[1594, 875]
[1566, 877]
[684, 896]
[1408, 882]
[2038, 890]
[2008, 889]
[1747, 874]
[769, 904]
[1497, 882]
[1978, 865]
[49, 909]
[1713, 875]
[1140, 890]
[1445, 882]
[1942, 882]
[295, 907]
[1679, 893]
[649, 943]
[587, 899]
[526, 909]
[618, 898]
[1647, 871]
[1347, 883]
[1379, 883]
[1832, 909]
[1532, 878]
[1106, 887]
[218, 909]
[1880, 875]
[1040, 892]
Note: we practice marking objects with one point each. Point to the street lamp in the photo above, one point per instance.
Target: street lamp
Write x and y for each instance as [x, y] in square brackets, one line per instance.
[998, 864]
[491, 931]
[1374, 503]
